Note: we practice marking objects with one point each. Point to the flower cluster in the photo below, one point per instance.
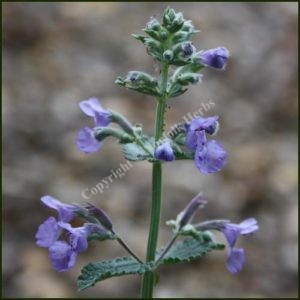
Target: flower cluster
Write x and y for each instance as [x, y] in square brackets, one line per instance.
[236, 256]
[209, 156]
[63, 253]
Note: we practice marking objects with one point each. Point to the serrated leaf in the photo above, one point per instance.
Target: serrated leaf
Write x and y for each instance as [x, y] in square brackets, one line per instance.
[98, 271]
[189, 249]
[135, 152]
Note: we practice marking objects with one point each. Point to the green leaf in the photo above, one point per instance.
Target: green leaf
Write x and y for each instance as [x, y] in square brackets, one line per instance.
[98, 271]
[135, 152]
[190, 249]
[182, 251]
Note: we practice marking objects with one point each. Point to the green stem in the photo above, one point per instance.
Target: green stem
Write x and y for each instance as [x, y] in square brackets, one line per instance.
[149, 279]
[168, 247]
[126, 247]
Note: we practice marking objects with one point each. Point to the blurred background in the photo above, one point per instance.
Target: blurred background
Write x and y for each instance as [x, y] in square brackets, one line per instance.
[57, 54]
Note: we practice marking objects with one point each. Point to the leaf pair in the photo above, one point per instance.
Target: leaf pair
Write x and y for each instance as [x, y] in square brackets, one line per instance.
[183, 251]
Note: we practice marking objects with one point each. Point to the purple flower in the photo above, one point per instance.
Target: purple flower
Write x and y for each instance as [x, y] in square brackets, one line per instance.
[86, 141]
[236, 257]
[216, 58]
[66, 212]
[48, 233]
[62, 256]
[164, 152]
[210, 157]
[190, 210]
[210, 125]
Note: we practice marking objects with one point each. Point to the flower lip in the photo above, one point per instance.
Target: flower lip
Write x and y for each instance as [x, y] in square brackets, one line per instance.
[48, 233]
[236, 260]
[210, 157]
[86, 141]
[62, 257]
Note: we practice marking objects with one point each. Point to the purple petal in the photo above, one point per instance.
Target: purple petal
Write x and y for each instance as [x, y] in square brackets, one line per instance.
[62, 257]
[66, 212]
[164, 152]
[78, 237]
[236, 260]
[216, 58]
[91, 106]
[101, 119]
[207, 124]
[86, 141]
[248, 226]
[191, 140]
[48, 233]
[210, 157]
[231, 234]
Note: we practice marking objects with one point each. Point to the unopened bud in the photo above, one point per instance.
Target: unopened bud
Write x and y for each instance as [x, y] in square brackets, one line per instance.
[138, 77]
[187, 48]
[100, 215]
[187, 214]
[189, 78]
[168, 55]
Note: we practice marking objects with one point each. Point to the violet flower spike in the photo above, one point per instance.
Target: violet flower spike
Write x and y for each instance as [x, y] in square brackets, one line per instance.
[210, 157]
[164, 152]
[215, 58]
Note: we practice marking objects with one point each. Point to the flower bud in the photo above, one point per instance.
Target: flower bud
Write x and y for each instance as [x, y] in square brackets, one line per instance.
[215, 58]
[176, 24]
[189, 78]
[164, 152]
[153, 24]
[168, 55]
[138, 77]
[187, 48]
[186, 215]
[100, 215]
[168, 16]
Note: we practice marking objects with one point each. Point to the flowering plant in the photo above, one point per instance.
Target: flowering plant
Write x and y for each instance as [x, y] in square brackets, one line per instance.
[168, 42]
